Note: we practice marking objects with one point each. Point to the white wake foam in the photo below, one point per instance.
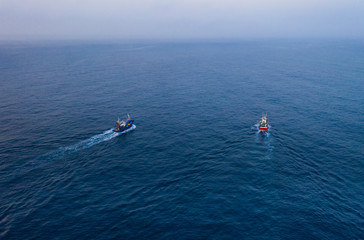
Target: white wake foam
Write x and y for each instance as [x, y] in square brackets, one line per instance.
[265, 138]
[105, 136]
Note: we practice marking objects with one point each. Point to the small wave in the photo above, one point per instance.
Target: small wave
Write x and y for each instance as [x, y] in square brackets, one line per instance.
[105, 136]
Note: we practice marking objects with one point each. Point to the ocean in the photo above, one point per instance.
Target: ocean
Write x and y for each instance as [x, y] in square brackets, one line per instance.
[195, 166]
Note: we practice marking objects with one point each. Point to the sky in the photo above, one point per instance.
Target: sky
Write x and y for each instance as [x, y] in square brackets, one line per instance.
[183, 19]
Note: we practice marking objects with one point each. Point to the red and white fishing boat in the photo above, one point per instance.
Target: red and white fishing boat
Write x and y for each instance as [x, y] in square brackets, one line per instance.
[263, 124]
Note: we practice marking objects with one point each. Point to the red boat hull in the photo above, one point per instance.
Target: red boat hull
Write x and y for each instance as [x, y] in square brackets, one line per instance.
[263, 128]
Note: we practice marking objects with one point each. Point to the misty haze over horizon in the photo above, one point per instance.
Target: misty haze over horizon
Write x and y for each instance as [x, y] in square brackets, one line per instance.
[200, 19]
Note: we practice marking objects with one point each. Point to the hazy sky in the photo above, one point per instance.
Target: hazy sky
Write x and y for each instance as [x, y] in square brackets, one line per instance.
[108, 19]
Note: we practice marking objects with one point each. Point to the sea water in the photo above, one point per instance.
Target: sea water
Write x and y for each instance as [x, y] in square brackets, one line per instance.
[196, 166]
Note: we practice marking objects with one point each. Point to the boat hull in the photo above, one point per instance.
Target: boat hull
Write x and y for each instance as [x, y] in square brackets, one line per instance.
[128, 125]
[263, 128]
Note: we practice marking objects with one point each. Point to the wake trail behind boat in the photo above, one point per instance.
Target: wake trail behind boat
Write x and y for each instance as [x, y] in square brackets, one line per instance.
[105, 136]
[264, 137]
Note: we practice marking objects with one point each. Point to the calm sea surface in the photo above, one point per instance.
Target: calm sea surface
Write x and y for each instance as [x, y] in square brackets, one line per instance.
[195, 166]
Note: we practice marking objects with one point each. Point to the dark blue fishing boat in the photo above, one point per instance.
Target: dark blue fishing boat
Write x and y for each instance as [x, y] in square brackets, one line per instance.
[123, 125]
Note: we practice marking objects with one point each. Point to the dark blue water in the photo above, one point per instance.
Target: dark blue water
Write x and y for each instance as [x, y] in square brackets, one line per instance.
[195, 166]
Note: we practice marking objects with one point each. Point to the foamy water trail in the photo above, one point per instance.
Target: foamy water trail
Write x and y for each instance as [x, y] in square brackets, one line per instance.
[265, 138]
[105, 136]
